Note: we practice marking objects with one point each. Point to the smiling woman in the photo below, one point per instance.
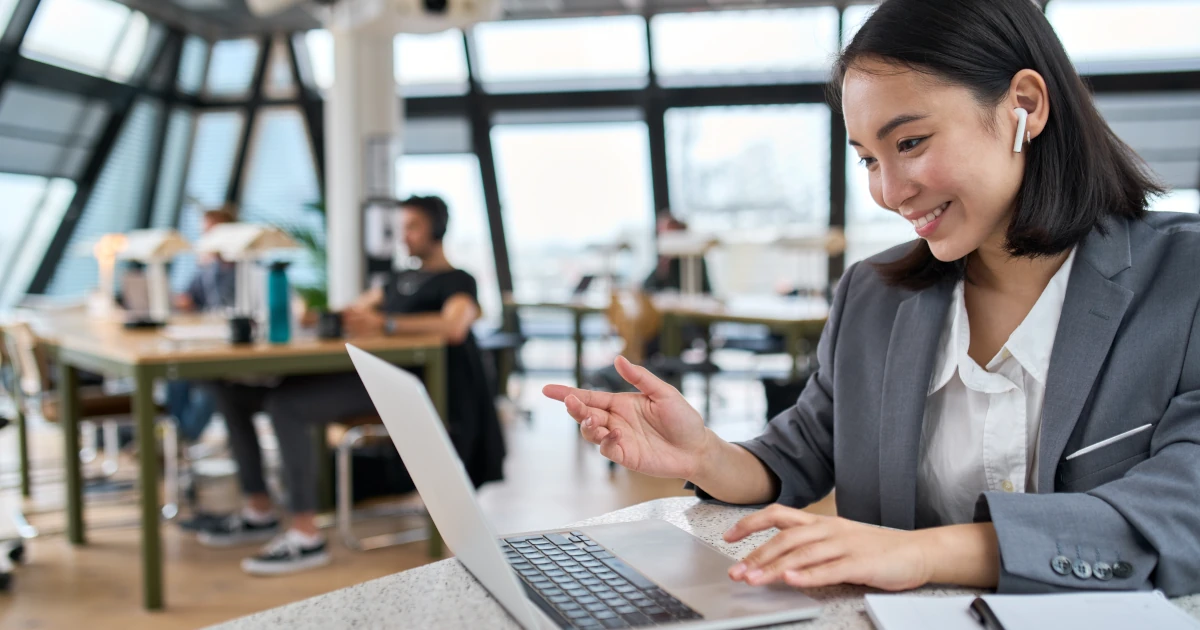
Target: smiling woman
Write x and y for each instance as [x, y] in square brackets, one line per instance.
[977, 388]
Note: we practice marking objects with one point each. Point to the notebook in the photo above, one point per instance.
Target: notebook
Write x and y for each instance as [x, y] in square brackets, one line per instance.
[1092, 610]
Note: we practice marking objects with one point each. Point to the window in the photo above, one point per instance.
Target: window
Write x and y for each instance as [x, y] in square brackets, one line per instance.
[555, 178]
[743, 46]
[280, 179]
[456, 179]
[114, 203]
[98, 37]
[193, 64]
[853, 17]
[740, 168]
[320, 53]
[231, 68]
[278, 82]
[34, 207]
[562, 54]
[47, 132]
[174, 165]
[431, 65]
[214, 147]
[1164, 129]
[870, 229]
[6, 13]
[1147, 35]
[1178, 200]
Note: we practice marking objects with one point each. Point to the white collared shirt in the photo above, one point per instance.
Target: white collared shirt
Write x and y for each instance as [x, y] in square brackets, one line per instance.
[981, 425]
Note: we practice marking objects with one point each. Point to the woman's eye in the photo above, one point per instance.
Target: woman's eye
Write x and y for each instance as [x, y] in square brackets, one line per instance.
[866, 161]
[908, 145]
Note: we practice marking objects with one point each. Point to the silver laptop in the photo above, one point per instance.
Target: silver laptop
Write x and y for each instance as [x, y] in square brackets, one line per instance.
[623, 575]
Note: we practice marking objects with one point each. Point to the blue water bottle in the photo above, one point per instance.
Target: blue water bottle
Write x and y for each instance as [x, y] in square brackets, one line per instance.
[279, 304]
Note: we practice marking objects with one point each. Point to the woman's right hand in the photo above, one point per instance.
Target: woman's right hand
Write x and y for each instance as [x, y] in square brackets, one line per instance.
[655, 432]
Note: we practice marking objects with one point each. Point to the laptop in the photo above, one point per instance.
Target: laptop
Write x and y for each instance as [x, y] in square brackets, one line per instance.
[622, 575]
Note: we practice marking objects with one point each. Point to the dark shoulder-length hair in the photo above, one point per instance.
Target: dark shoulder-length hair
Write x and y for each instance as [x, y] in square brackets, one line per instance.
[1077, 172]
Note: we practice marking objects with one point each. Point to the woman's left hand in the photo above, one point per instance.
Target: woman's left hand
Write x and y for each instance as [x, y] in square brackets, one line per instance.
[812, 550]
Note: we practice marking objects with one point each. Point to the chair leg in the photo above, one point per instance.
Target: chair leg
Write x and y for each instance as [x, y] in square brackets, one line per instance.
[345, 486]
[112, 448]
[88, 436]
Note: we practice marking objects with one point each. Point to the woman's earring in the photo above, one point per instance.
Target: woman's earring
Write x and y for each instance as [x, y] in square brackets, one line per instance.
[1022, 115]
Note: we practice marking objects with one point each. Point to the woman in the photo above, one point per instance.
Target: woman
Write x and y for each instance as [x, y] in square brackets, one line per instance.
[963, 377]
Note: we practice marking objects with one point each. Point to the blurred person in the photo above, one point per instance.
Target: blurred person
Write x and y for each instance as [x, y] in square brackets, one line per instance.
[434, 299]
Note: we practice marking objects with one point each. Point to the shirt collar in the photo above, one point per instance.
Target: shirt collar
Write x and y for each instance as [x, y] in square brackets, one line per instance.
[1030, 344]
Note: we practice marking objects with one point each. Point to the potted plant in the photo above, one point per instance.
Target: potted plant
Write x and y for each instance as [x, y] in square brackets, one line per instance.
[315, 294]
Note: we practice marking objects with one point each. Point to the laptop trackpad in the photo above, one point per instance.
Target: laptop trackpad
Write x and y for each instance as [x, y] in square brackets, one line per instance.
[664, 553]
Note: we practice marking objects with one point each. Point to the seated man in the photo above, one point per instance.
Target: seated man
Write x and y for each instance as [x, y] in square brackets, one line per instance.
[437, 298]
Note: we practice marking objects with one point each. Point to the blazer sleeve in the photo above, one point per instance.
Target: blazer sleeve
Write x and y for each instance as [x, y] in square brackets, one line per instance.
[797, 446]
[1147, 519]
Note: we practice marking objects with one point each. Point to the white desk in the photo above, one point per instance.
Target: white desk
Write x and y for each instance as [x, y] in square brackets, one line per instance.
[444, 595]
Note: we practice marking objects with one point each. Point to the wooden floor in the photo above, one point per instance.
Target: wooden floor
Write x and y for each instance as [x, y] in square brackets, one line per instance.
[552, 478]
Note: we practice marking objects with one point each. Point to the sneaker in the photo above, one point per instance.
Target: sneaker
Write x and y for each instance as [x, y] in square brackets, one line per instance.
[235, 530]
[289, 552]
[201, 521]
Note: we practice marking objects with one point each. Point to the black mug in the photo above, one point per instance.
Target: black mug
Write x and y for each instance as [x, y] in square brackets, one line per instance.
[329, 325]
[241, 330]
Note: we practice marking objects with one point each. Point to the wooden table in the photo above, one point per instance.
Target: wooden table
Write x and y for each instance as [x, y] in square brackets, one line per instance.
[82, 343]
[798, 319]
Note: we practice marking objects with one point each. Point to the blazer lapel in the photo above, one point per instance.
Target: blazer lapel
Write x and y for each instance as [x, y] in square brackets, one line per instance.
[1091, 315]
[909, 364]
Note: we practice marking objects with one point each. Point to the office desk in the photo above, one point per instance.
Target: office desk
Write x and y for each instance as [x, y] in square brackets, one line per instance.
[444, 595]
[799, 320]
[79, 342]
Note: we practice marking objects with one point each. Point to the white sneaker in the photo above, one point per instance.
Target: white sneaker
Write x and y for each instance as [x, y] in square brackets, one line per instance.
[289, 552]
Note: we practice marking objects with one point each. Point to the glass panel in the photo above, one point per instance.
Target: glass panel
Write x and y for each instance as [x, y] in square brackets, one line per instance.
[279, 82]
[1154, 34]
[79, 34]
[743, 46]
[44, 207]
[852, 19]
[431, 64]
[456, 179]
[6, 13]
[1178, 200]
[740, 168]
[280, 179]
[231, 68]
[174, 165]
[562, 54]
[192, 64]
[128, 54]
[114, 202]
[437, 135]
[320, 53]
[554, 178]
[214, 148]
[870, 229]
[1164, 129]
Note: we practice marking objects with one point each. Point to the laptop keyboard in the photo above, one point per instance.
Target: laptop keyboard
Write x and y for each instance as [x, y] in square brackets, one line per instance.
[579, 584]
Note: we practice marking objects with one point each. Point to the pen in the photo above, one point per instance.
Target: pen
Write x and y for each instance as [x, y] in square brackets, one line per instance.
[983, 614]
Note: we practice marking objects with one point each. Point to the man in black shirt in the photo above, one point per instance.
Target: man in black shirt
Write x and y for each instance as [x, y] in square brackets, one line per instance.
[436, 298]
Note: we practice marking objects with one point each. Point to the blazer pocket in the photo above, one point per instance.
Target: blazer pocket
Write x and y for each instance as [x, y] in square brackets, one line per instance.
[1105, 463]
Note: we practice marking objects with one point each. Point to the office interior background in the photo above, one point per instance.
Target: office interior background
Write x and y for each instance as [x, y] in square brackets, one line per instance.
[555, 134]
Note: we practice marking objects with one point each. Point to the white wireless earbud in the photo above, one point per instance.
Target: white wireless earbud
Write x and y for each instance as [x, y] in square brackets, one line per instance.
[1022, 115]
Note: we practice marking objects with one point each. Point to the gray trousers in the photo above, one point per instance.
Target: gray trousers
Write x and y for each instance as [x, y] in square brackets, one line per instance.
[298, 407]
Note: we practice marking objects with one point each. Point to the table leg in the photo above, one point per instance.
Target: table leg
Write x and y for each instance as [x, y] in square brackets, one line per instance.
[792, 339]
[68, 410]
[672, 344]
[147, 441]
[708, 378]
[22, 434]
[435, 384]
[578, 316]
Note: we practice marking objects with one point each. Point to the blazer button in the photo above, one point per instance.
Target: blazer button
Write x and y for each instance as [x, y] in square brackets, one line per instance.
[1122, 570]
[1102, 571]
[1081, 569]
[1061, 565]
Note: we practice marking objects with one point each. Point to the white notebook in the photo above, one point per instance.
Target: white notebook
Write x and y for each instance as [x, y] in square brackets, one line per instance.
[1093, 610]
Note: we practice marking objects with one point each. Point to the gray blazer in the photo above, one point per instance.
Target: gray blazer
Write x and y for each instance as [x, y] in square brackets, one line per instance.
[1127, 353]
